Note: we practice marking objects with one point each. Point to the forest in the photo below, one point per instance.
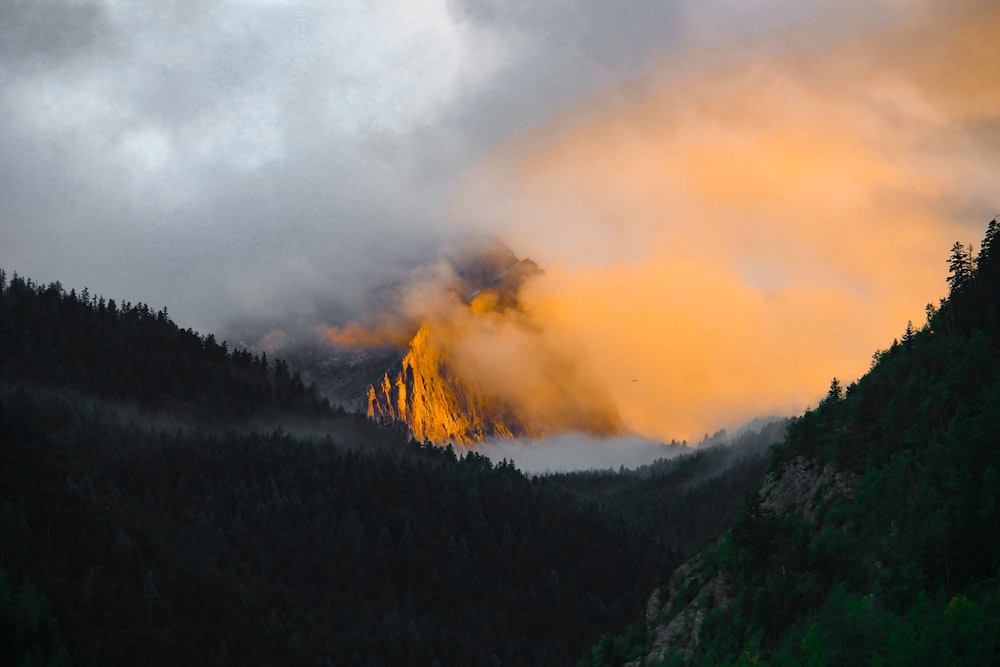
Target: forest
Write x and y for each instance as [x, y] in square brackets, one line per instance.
[901, 569]
[166, 500]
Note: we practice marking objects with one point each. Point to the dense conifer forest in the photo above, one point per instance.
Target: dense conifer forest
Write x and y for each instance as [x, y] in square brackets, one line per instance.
[902, 569]
[49, 337]
[167, 500]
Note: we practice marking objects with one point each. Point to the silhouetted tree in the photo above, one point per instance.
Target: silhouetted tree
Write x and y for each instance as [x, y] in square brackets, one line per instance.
[960, 266]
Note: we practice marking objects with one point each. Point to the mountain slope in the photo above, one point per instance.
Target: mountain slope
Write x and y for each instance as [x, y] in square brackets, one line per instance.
[130, 352]
[875, 537]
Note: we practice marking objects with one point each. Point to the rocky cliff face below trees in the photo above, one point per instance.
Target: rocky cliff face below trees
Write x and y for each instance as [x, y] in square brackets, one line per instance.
[804, 487]
[676, 613]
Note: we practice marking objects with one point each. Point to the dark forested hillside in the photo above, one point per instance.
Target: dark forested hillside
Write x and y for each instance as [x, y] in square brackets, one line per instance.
[875, 537]
[93, 345]
[145, 520]
[158, 548]
[686, 501]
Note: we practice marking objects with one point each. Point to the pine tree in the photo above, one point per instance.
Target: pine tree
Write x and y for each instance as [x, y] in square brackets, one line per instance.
[991, 232]
[836, 391]
[960, 267]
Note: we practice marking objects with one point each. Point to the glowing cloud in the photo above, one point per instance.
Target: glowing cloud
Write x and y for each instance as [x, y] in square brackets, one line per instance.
[722, 240]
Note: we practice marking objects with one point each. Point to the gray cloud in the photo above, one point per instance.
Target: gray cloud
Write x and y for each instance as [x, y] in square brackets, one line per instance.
[43, 33]
[233, 160]
[196, 154]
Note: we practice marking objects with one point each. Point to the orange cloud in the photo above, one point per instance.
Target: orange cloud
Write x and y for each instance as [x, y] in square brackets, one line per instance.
[721, 242]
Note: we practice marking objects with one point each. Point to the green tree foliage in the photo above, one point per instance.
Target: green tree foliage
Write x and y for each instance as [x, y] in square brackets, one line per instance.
[687, 501]
[922, 431]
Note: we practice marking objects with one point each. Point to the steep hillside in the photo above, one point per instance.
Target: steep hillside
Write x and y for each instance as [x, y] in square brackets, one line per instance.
[83, 342]
[875, 537]
[437, 404]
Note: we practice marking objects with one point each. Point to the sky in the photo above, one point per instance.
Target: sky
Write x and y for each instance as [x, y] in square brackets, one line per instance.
[732, 201]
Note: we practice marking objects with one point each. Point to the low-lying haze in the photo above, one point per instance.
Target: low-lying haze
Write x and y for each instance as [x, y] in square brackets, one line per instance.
[571, 452]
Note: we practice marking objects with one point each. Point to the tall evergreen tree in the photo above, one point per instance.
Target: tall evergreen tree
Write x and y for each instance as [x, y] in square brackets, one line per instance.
[960, 266]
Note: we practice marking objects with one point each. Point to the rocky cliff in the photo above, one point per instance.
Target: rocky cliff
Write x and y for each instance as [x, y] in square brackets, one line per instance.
[438, 405]
[442, 393]
[676, 612]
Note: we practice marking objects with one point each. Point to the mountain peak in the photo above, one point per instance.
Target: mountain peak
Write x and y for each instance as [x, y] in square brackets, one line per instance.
[441, 392]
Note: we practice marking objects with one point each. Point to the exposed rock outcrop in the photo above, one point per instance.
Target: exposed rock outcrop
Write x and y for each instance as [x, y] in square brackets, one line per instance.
[439, 406]
[675, 614]
[803, 486]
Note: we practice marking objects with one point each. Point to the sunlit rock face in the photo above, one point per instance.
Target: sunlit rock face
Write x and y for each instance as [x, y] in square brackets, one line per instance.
[445, 393]
[437, 405]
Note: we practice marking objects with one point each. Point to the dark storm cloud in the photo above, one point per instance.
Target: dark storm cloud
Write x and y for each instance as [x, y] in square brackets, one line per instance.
[40, 32]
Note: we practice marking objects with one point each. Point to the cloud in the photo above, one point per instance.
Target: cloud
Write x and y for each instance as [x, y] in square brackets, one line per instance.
[197, 154]
[722, 240]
